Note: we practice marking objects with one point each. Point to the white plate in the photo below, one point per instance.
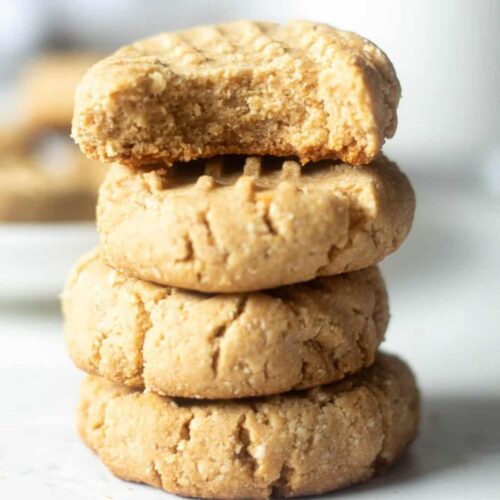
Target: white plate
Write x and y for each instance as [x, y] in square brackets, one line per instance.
[35, 258]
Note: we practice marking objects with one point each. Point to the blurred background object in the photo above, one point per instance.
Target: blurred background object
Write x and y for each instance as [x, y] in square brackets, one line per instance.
[48, 187]
[443, 283]
[47, 87]
[44, 177]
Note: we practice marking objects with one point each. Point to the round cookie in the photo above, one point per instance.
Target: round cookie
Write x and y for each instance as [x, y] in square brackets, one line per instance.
[302, 88]
[300, 443]
[182, 343]
[251, 223]
[45, 178]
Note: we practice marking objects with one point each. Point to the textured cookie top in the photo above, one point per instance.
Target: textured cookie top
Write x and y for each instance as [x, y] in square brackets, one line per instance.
[236, 224]
[293, 444]
[181, 343]
[302, 89]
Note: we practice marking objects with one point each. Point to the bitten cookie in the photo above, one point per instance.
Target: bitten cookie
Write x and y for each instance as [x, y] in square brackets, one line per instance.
[251, 223]
[294, 444]
[302, 89]
[180, 343]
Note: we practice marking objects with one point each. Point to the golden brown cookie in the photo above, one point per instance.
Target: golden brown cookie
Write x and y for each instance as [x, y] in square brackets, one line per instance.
[181, 343]
[294, 444]
[45, 178]
[302, 89]
[48, 86]
[251, 223]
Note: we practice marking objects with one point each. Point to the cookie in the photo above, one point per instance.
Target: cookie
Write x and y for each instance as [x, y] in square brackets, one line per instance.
[45, 179]
[180, 343]
[12, 138]
[303, 89]
[251, 223]
[47, 87]
[300, 443]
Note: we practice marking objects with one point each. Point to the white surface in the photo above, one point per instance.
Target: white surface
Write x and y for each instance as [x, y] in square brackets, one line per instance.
[35, 258]
[445, 301]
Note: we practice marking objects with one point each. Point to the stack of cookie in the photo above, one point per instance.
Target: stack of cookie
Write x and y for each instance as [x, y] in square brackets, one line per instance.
[231, 317]
[43, 175]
